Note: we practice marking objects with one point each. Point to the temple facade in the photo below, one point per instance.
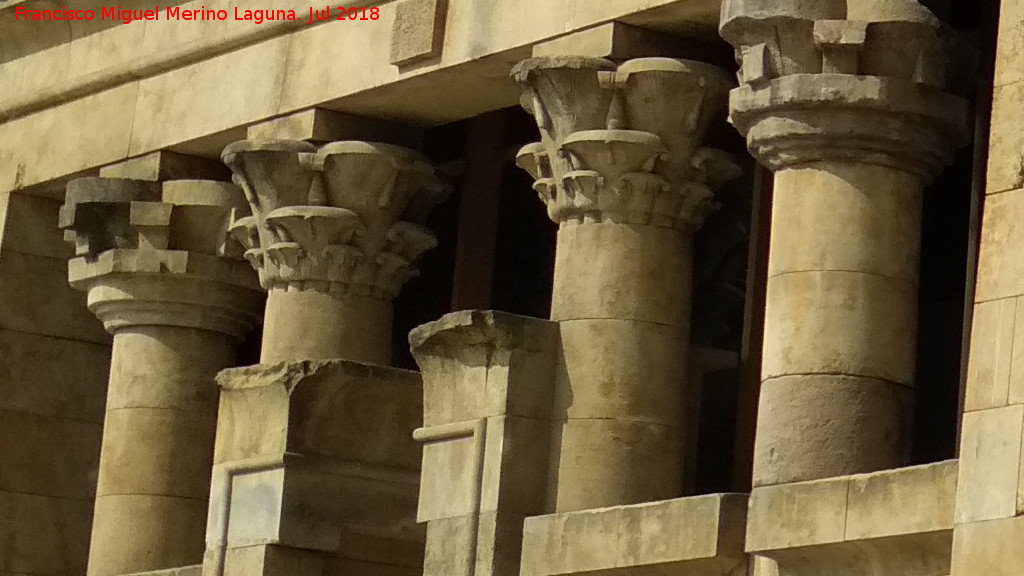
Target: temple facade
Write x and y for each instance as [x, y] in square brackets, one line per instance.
[512, 288]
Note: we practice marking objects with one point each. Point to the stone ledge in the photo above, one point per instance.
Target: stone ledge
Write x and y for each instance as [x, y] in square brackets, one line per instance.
[184, 571]
[892, 522]
[698, 536]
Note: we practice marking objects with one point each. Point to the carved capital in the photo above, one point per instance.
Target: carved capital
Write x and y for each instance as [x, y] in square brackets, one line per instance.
[343, 218]
[160, 254]
[845, 80]
[622, 143]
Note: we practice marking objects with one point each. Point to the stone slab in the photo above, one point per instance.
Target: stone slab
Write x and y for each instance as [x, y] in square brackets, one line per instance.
[418, 31]
[702, 535]
[1000, 270]
[1009, 69]
[989, 548]
[1006, 145]
[892, 503]
[990, 457]
[914, 500]
[183, 571]
[992, 354]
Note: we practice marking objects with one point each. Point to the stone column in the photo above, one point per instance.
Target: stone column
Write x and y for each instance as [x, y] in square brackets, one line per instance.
[149, 258]
[334, 235]
[852, 116]
[622, 172]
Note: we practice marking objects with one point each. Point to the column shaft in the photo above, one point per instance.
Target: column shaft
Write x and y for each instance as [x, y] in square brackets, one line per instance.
[621, 297]
[157, 450]
[306, 324]
[841, 322]
[621, 169]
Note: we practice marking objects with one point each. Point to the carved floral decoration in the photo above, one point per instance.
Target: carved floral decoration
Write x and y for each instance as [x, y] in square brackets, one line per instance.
[622, 143]
[346, 217]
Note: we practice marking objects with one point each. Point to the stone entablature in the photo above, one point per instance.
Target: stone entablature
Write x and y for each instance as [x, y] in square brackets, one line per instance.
[345, 218]
[622, 143]
[840, 82]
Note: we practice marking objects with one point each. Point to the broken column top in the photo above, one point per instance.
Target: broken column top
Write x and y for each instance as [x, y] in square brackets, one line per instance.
[151, 253]
[847, 80]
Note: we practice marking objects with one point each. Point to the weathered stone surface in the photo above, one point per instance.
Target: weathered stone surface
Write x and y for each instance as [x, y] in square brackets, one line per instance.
[992, 354]
[887, 523]
[486, 454]
[463, 352]
[37, 300]
[315, 458]
[999, 270]
[418, 31]
[130, 91]
[649, 361]
[135, 533]
[185, 571]
[28, 226]
[53, 377]
[851, 425]
[990, 457]
[845, 217]
[840, 322]
[915, 500]
[1005, 160]
[1008, 70]
[603, 460]
[622, 271]
[701, 536]
[320, 125]
[991, 547]
[167, 166]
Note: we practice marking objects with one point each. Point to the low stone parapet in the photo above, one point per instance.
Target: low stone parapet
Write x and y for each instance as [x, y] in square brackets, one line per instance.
[891, 523]
[696, 536]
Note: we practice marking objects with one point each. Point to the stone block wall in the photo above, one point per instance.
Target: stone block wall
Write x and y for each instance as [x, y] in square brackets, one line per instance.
[54, 359]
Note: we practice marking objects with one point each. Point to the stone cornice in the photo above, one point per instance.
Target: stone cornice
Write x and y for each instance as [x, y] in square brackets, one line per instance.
[150, 254]
[621, 143]
[344, 218]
